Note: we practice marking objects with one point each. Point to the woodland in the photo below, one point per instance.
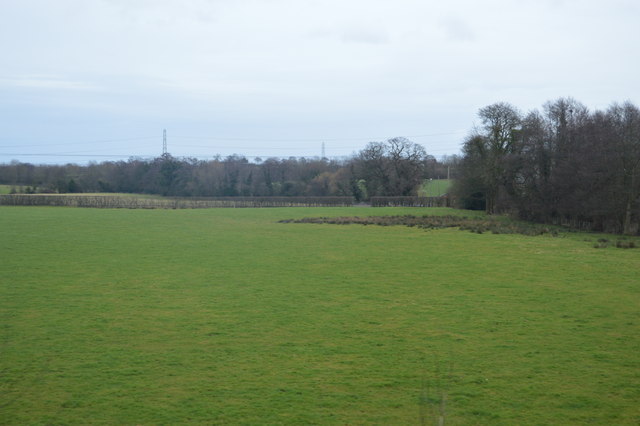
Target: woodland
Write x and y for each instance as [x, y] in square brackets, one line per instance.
[563, 164]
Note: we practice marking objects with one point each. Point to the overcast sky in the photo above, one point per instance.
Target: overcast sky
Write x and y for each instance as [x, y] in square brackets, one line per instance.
[99, 80]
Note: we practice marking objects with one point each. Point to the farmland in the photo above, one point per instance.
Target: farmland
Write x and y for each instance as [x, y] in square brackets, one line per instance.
[227, 316]
[435, 187]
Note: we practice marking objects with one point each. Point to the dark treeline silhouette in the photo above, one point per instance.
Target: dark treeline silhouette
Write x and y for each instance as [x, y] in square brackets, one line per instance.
[564, 164]
[391, 168]
[118, 201]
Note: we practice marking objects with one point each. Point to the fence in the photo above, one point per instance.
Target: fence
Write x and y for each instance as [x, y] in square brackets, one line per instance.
[410, 202]
[114, 202]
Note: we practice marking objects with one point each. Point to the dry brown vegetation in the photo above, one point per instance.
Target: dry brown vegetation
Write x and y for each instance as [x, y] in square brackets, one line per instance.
[495, 225]
[108, 201]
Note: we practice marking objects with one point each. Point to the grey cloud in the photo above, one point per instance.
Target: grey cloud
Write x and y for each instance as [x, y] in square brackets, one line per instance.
[351, 35]
[365, 35]
[457, 29]
[305, 61]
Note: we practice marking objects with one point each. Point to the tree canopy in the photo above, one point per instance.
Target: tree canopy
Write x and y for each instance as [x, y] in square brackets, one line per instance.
[563, 164]
[393, 168]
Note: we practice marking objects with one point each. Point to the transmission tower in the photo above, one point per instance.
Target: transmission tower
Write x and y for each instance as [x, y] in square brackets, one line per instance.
[323, 152]
[164, 143]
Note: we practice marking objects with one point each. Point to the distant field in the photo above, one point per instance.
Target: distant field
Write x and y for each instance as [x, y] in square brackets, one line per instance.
[226, 316]
[435, 187]
[5, 189]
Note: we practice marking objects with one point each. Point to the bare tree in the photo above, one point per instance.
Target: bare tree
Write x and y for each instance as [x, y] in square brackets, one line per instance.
[625, 124]
[488, 150]
[393, 168]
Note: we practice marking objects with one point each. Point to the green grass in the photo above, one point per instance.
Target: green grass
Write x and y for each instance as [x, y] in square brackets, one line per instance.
[226, 316]
[435, 187]
[5, 189]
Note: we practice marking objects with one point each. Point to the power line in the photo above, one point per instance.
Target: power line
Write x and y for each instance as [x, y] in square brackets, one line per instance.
[105, 141]
[74, 155]
[312, 140]
[272, 148]
[93, 154]
[80, 143]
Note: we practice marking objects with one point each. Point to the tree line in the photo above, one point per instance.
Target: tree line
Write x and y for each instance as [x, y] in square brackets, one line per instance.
[396, 167]
[119, 201]
[562, 164]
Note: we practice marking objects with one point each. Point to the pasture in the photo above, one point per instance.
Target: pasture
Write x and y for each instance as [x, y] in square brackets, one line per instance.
[435, 187]
[227, 316]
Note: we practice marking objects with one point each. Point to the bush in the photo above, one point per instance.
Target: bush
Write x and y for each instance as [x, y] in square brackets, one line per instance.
[625, 244]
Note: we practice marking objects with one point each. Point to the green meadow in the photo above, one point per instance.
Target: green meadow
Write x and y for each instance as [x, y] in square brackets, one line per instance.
[225, 316]
[435, 187]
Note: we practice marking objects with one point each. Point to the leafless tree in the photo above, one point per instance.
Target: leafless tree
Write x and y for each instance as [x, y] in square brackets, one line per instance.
[393, 168]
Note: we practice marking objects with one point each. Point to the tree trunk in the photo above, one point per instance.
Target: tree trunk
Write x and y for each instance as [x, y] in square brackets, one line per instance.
[626, 230]
[490, 202]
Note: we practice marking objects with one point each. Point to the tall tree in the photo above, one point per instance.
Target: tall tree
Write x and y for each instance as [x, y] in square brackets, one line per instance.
[489, 150]
[393, 168]
[625, 126]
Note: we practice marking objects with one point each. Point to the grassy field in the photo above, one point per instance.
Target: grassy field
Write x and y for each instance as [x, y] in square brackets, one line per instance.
[226, 316]
[5, 189]
[435, 187]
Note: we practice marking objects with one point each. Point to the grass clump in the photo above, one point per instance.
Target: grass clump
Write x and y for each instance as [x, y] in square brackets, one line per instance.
[626, 244]
[498, 225]
[601, 243]
[478, 224]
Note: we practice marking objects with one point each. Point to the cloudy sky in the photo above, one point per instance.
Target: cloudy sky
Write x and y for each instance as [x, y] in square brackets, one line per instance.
[99, 80]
